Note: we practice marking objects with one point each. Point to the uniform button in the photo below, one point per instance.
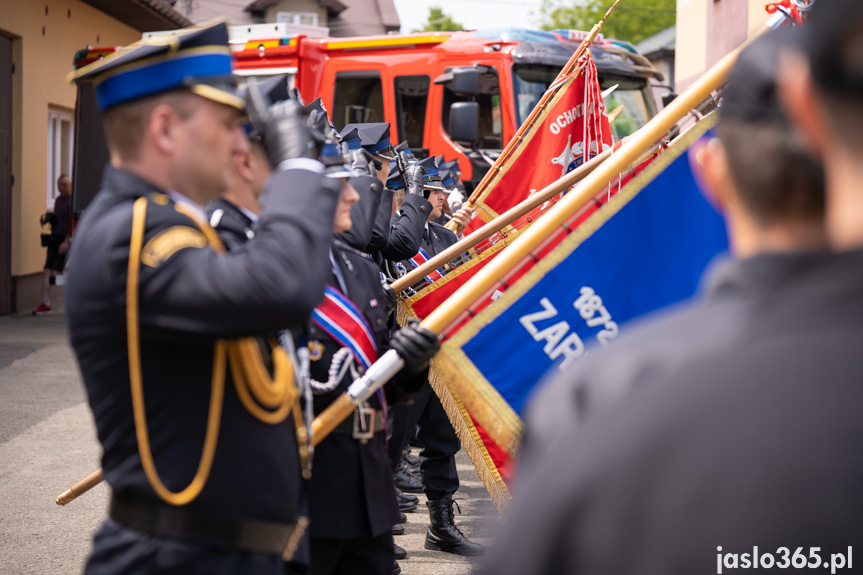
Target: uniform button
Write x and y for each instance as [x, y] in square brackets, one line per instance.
[380, 321]
[374, 187]
[422, 208]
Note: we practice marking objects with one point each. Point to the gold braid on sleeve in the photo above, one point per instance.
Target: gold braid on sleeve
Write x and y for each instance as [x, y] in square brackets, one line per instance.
[268, 399]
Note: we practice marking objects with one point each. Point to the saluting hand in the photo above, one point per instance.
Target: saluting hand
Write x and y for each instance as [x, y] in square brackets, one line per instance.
[360, 161]
[413, 178]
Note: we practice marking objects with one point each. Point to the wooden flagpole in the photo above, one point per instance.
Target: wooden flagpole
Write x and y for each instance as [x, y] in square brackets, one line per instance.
[495, 172]
[498, 223]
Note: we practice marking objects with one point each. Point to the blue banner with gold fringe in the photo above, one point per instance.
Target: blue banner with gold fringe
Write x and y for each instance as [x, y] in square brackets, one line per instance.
[644, 250]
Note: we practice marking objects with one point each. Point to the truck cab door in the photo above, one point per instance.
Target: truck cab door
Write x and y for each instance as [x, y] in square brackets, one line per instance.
[475, 158]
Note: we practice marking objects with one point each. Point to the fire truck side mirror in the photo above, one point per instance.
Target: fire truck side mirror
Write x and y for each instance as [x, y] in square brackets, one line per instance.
[464, 122]
[465, 81]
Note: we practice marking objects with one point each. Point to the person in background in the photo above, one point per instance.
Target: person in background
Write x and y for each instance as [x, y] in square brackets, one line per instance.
[440, 444]
[58, 242]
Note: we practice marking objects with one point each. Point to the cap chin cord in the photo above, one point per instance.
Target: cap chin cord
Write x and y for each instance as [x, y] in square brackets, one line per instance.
[268, 399]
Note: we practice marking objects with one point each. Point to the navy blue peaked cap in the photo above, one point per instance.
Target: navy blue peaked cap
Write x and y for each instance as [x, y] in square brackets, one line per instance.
[432, 179]
[394, 179]
[197, 59]
[351, 137]
[374, 136]
[453, 168]
[430, 165]
[834, 38]
[446, 178]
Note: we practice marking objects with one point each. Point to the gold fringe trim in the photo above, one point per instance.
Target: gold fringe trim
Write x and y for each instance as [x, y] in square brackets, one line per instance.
[469, 436]
[446, 382]
[484, 402]
[404, 313]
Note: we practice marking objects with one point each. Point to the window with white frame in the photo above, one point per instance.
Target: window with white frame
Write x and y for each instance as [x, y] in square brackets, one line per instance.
[298, 18]
[60, 136]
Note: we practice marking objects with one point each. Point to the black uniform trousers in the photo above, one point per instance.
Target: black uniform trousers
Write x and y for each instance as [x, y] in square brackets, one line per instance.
[437, 436]
[436, 432]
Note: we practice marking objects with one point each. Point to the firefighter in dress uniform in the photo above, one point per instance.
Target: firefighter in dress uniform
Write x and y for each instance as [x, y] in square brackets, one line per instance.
[352, 500]
[436, 434]
[203, 454]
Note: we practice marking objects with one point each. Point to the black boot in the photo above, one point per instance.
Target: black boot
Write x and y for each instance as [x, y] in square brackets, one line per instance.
[411, 459]
[398, 529]
[406, 497]
[400, 552]
[396, 568]
[443, 535]
[406, 507]
[407, 481]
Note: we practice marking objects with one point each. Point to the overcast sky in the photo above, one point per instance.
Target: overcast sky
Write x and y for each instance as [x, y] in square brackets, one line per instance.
[472, 14]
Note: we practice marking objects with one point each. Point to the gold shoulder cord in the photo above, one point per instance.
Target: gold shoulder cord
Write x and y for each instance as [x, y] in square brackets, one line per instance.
[267, 399]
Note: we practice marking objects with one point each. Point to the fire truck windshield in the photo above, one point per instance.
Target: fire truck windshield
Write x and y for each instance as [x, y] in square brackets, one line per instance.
[530, 82]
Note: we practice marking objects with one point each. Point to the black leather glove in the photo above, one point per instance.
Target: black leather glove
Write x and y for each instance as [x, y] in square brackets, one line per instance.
[360, 161]
[286, 135]
[282, 125]
[413, 179]
[415, 345]
[319, 128]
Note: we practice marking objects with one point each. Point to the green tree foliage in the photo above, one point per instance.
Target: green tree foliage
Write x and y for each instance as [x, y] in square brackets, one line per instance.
[632, 20]
[440, 22]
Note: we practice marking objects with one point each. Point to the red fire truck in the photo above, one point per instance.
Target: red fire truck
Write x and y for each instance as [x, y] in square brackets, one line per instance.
[412, 81]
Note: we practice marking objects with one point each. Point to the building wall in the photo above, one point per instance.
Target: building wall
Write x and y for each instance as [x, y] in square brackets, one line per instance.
[46, 35]
[310, 6]
[709, 29]
[203, 10]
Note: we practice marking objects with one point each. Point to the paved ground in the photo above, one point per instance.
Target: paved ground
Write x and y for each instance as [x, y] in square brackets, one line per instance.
[47, 442]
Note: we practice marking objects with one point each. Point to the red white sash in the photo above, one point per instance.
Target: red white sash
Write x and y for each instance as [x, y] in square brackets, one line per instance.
[421, 258]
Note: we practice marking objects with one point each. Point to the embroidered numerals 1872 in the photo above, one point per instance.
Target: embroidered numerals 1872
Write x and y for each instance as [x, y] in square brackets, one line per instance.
[590, 306]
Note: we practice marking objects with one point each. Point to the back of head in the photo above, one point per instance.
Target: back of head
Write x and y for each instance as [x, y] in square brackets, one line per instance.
[774, 173]
[834, 48]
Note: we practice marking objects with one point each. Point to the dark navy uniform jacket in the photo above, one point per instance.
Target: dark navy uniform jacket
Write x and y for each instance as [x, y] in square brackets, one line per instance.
[407, 225]
[234, 227]
[364, 214]
[351, 494]
[189, 297]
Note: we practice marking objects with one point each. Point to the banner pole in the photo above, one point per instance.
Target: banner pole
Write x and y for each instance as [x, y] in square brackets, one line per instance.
[499, 223]
[531, 120]
[82, 486]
